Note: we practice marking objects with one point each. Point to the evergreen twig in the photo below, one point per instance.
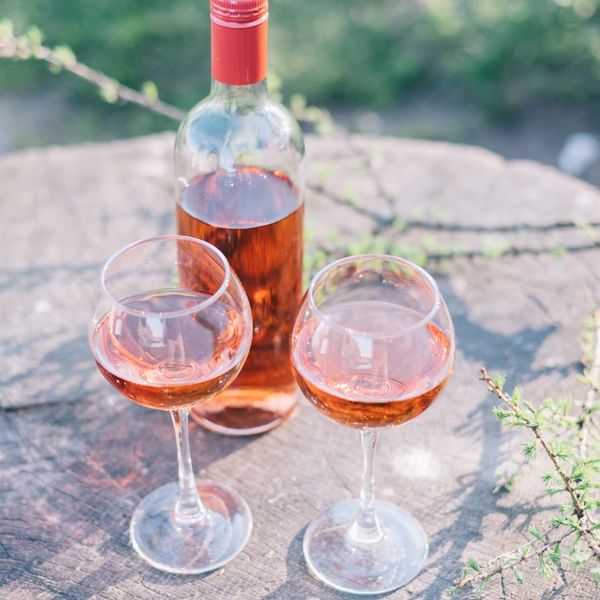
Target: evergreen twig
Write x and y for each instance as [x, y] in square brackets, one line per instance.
[572, 449]
[570, 486]
[479, 574]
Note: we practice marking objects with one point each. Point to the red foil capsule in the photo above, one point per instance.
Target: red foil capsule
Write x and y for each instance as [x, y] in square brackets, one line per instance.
[239, 37]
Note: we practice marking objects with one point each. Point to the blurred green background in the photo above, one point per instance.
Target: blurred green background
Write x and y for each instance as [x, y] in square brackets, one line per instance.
[494, 72]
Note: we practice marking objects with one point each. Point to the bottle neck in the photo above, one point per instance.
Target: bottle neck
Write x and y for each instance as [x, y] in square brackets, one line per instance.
[239, 53]
[233, 93]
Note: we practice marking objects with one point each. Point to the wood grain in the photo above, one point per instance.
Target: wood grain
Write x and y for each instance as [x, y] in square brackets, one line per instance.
[76, 458]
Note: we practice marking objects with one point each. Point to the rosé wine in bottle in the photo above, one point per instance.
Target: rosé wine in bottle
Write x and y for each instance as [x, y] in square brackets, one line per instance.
[238, 161]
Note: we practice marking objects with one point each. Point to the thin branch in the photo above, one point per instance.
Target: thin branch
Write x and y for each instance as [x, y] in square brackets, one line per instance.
[506, 399]
[585, 521]
[502, 585]
[502, 563]
[591, 396]
[23, 48]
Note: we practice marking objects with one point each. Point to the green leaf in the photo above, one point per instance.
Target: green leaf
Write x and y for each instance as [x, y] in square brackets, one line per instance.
[324, 173]
[544, 567]
[429, 243]
[517, 420]
[586, 485]
[568, 522]
[530, 450]
[577, 472]
[275, 85]
[298, 104]
[34, 36]
[501, 413]
[65, 55]
[494, 249]
[499, 380]
[562, 449]
[7, 30]
[150, 91]
[566, 508]
[110, 92]
[518, 576]
[554, 554]
[536, 534]
[400, 226]
[473, 565]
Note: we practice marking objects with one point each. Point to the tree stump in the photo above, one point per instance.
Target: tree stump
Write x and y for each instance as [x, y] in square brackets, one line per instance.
[514, 247]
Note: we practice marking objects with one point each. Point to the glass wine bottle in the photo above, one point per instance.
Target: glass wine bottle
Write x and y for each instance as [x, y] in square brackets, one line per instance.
[238, 159]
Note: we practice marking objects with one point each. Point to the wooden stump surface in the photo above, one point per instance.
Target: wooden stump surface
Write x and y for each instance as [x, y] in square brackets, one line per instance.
[513, 246]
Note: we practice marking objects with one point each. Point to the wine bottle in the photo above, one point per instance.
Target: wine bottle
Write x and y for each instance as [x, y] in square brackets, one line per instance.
[238, 158]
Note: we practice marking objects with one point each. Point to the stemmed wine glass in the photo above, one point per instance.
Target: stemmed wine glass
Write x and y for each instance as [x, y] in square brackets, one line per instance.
[171, 328]
[372, 347]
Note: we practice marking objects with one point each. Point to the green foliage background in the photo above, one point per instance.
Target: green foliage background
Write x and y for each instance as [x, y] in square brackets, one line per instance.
[496, 55]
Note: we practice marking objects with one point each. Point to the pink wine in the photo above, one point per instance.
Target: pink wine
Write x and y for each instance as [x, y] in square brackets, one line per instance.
[169, 362]
[240, 212]
[351, 367]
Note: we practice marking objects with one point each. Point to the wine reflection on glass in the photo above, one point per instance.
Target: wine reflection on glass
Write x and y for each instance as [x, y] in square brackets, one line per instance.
[372, 347]
[171, 328]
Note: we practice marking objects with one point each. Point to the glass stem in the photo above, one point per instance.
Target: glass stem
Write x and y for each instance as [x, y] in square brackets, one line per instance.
[189, 508]
[366, 528]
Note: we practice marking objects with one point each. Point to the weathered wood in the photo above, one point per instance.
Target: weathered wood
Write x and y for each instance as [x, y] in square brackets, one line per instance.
[76, 458]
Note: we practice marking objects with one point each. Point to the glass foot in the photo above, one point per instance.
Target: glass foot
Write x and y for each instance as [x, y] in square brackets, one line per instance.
[195, 547]
[365, 568]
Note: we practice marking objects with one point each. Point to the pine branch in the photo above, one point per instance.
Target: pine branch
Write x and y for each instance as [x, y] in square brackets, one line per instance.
[509, 560]
[571, 445]
[29, 45]
[586, 523]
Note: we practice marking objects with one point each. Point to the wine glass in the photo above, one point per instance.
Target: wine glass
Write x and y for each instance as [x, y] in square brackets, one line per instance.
[372, 347]
[171, 328]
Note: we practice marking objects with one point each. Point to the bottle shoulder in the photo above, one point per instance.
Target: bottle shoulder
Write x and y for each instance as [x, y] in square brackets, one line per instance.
[216, 124]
